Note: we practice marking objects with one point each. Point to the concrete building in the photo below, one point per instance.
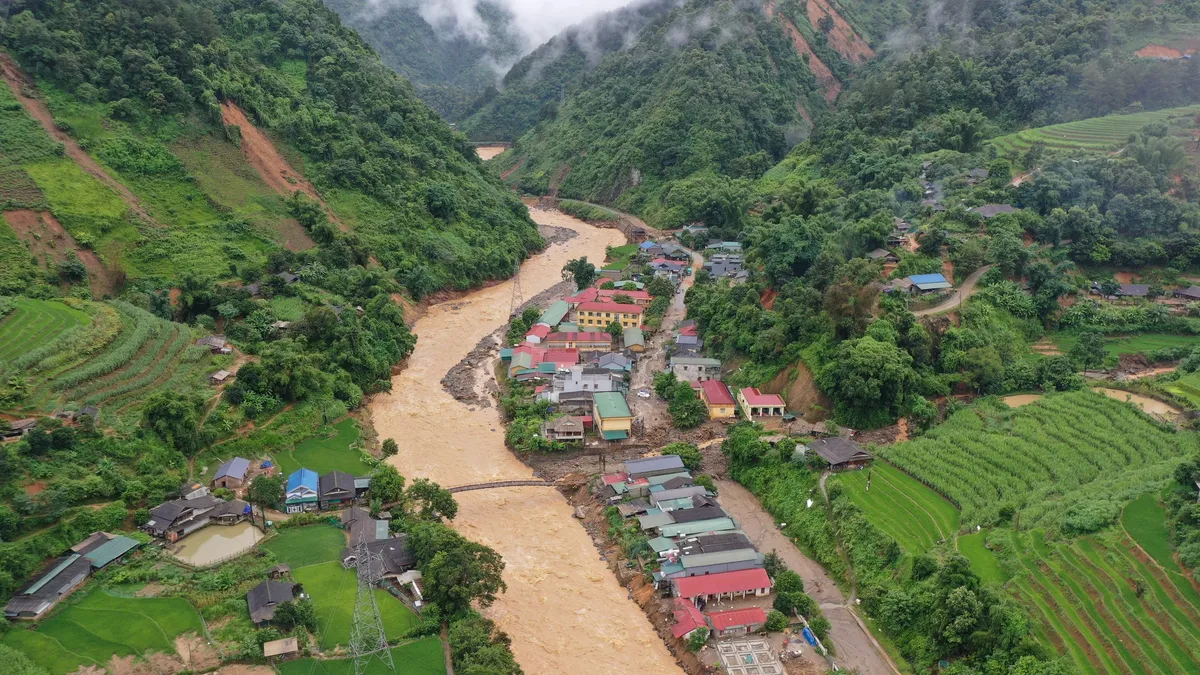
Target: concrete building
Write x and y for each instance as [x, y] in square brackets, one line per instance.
[737, 622]
[596, 341]
[717, 399]
[695, 368]
[613, 419]
[700, 590]
[601, 314]
[754, 403]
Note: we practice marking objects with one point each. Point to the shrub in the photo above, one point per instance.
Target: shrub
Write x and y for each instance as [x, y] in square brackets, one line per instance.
[776, 621]
[697, 639]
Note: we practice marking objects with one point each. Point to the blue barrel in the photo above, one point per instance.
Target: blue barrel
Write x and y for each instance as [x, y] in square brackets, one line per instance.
[809, 637]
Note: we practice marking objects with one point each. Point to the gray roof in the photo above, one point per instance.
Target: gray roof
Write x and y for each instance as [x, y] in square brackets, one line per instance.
[880, 253]
[838, 450]
[668, 495]
[392, 552]
[234, 468]
[713, 543]
[695, 361]
[264, 597]
[678, 482]
[990, 210]
[693, 515]
[336, 481]
[1189, 292]
[654, 464]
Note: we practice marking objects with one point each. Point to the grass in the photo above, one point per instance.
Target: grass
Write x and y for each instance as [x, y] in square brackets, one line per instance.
[1116, 345]
[327, 451]
[100, 626]
[421, 657]
[35, 322]
[287, 308]
[1085, 593]
[1098, 134]
[1146, 523]
[904, 508]
[1187, 387]
[332, 588]
[983, 561]
[304, 546]
[619, 257]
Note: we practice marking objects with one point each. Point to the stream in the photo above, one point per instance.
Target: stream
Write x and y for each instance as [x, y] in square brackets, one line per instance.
[564, 609]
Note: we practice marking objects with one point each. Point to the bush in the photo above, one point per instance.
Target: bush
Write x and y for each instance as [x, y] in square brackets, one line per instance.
[697, 639]
[776, 621]
[687, 452]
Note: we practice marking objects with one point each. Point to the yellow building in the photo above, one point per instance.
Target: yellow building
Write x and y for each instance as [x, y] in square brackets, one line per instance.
[717, 398]
[600, 314]
[611, 414]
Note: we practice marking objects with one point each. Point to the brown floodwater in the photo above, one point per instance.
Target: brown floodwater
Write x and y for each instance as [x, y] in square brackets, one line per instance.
[1018, 400]
[1149, 405]
[564, 609]
[217, 542]
[487, 152]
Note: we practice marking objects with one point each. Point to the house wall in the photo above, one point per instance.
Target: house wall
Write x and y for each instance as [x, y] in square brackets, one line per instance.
[692, 373]
[720, 412]
[615, 424]
[228, 482]
[602, 319]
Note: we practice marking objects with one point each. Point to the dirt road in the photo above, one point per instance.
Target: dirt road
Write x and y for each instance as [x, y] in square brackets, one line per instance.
[855, 646]
[960, 294]
[564, 609]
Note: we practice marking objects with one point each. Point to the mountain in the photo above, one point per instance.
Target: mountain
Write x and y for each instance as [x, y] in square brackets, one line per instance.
[188, 126]
[707, 92]
[448, 70]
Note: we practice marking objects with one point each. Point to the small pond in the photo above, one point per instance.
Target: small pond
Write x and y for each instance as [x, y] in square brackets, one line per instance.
[216, 543]
[1149, 405]
[1018, 400]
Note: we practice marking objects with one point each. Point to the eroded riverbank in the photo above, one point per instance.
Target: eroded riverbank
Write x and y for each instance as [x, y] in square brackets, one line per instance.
[564, 610]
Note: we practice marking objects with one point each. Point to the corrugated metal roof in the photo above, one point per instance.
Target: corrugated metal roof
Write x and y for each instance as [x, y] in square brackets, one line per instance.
[698, 527]
[555, 313]
[110, 550]
[654, 464]
[658, 480]
[723, 582]
[718, 558]
[610, 404]
[655, 520]
[55, 571]
[617, 435]
[381, 529]
[730, 618]
[234, 468]
[660, 544]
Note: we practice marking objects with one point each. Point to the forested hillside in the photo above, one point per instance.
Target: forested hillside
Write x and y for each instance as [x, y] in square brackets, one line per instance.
[148, 89]
[448, 70]
[712, 93]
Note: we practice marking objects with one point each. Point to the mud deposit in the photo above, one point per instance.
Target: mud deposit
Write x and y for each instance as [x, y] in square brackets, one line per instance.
[563, 609]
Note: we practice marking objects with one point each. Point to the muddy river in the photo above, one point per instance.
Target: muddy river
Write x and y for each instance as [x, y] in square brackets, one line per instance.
[564, 609]
[487, 152]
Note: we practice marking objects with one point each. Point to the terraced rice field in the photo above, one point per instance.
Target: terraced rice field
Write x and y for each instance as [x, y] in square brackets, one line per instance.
[1098, 134]
[101, 626]
[33, 323]
[1109, 609]
[113, 359]
[905, 509]
[420, 657]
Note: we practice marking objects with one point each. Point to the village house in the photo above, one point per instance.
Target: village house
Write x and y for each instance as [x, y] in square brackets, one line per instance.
[1191, 293]
[976, 176]
[723, 265]
[654, 466]
[714, 543]
[301, 493]
[675, 252]
[220, 377]
[840, 453]
[635, 340]
[281, 326]
[724, 247]
[924, 284]
[694, 229]
[196, 509]
[566, 429]
[1123, 290]
[18, 428]
[699, 590]
[717, 399]
[264, 598]
[992, 210]
[601, 314]
[695, 368]
[66, 573]
[282, 649]
[232, 474]
[582, 379]
[537, 334]
[613, 363]
[754, 403]
[687, 619]
[692, 528]
[884, 255]
[612, 416]
[737, 622]
[687, 346]
[661, 267]
[336, 488]
[392, 552]
[217, 344]
[650, 249]
[554, 314]
[593, 294]
[362, 527]
[288, 277]
[595, 341]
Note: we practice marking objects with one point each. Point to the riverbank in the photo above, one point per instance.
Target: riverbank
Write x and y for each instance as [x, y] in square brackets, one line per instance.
[563, 609]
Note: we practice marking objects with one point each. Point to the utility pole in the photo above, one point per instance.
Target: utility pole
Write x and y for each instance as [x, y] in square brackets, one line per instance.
[518, 296]
[368, 640]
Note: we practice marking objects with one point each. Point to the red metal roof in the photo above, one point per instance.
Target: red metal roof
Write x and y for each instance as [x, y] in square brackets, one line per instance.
[688, 330]
[579, 337]
[687, 618]
[733, 618]
[560, 356]
[716, 393]
[611, 478]
[586, 295]
[723, 582]
[610, 307]
[539, 331]
[756, 398]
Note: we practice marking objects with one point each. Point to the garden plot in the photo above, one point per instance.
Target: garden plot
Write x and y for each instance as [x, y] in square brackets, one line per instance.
[902, 507]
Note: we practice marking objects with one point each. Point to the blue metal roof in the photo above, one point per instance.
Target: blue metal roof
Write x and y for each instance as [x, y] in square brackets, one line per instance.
[303, 478]
[927, 279]
[234, 468]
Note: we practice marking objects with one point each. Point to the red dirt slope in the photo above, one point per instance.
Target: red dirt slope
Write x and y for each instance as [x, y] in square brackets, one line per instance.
[824, 75]
[45, 236]
[842, 38]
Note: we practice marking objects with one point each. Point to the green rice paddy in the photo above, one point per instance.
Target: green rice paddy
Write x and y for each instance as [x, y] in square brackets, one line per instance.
[1098, 134]
[101, 626]
[1187, 386]
[421, 657]
[329, 450]
[904, 508]
[1146, 523]
[35, 322]
[304, 546]
[1116, 345]
[983, 561]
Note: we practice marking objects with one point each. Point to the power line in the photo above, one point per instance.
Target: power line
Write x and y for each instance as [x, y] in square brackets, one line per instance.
[368, 640]
[518, 296]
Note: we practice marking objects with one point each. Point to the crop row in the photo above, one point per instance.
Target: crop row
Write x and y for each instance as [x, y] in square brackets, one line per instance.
[1099, 133]
[145, 326]
[147, 355]
[1059, 444]
[159, 361]
[80, 341]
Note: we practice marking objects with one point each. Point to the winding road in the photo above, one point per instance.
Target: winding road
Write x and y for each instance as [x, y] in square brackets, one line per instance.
[960, 294]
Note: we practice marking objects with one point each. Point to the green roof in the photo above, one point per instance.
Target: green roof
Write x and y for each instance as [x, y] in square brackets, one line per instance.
[658, 480]
[611, 404]
[660, 544]
[522, 360]
[110, 550]
[506, 353]
[655, 520]
[697, 527]
[718, 558]
[633, 336]
[568, 328]
[619, 435]
[555, 313]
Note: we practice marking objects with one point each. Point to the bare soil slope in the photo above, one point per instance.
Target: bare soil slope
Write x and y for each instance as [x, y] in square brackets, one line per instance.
[45, 236]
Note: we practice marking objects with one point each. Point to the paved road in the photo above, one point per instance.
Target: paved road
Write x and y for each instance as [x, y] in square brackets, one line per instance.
[961, 293]
[855, 646]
